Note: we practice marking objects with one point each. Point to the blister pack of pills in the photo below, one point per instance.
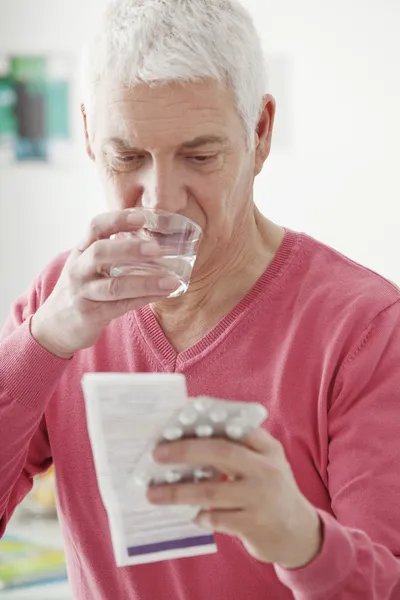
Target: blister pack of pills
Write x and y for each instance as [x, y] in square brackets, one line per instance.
[202, 417]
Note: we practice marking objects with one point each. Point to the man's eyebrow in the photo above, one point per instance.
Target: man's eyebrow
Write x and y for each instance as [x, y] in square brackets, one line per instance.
[116, 143]
[204, 140]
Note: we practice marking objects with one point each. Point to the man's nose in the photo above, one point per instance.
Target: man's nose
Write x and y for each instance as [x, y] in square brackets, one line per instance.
[164, 188]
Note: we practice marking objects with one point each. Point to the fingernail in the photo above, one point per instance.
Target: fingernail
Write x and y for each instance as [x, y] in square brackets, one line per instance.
[149, 249]
[168, 283]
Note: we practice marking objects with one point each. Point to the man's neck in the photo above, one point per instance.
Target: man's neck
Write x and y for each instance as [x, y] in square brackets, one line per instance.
[214, 292]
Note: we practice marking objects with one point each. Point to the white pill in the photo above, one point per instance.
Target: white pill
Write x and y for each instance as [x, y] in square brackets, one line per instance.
[261, 411]
[141, 479]
[243, 413]
[203, 473]
[203, 404]
[172, 476]
[235, 431]
[218, 415]
[255, 412]
[188, 417]
[204, 431]
[173, 433]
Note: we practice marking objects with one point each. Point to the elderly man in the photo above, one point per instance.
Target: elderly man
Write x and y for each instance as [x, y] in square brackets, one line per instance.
[176, 118]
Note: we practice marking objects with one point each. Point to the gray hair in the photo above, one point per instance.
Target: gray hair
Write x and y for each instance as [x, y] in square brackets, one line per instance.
[159, 41]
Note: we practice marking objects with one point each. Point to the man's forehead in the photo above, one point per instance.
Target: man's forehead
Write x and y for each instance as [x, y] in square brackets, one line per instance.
[188, 115]
[206, 99]
[125, 115]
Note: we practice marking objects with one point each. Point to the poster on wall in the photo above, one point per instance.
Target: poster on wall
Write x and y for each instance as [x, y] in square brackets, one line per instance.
[35, 124]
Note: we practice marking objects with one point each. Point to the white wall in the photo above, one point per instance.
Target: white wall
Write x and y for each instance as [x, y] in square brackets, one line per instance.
[337, 178]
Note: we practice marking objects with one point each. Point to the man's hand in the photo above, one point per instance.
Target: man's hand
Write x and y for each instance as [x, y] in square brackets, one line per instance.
[258, 501]
[86, 299]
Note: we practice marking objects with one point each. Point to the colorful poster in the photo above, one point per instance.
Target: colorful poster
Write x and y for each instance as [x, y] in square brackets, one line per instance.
[34, 108]
[24, 564]
[8, 119]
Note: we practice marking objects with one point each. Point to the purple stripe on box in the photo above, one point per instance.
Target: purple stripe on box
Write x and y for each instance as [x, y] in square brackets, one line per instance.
[204, 540]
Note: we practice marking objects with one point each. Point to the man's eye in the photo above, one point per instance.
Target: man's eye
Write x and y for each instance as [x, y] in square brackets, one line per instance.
[128, 159]
[125, 162]
[202, 158]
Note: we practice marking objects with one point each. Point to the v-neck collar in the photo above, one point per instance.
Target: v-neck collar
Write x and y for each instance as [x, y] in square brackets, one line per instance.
[156, 340]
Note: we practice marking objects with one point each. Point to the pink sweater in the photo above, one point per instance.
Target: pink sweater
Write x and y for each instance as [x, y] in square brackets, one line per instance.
[317, 341]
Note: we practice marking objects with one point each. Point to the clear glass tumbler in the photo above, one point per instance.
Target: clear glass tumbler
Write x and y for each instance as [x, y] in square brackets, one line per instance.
[178, 238]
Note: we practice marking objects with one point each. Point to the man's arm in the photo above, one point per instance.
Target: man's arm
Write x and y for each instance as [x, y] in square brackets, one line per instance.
[28, 377]
[361, 548]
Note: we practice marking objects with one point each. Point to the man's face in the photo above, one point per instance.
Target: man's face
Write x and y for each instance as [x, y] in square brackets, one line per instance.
[176, 147]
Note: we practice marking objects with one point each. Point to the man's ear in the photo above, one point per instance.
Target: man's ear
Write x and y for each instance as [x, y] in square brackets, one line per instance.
[89, 150]
[264, 132]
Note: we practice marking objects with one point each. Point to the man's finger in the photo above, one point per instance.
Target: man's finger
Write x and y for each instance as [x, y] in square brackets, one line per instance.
[226, 456]
[107, 224]
[229, 522]
[129, 287]
[227, 495]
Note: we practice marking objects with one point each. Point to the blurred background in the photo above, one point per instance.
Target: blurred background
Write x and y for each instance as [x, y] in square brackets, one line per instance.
[333, 171]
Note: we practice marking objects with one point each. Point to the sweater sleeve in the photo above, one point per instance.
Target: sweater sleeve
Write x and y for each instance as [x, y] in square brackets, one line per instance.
[28, 378]
[360, 556]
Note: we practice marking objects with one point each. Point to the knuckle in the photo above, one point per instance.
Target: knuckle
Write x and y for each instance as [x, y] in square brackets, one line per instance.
[209, 493]
[171, 494]
[72, 275]
[97, 252]
[117, 220]
[95, 229]
[180, 452]
[225, 450]
[149, 285]
[113, 287]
